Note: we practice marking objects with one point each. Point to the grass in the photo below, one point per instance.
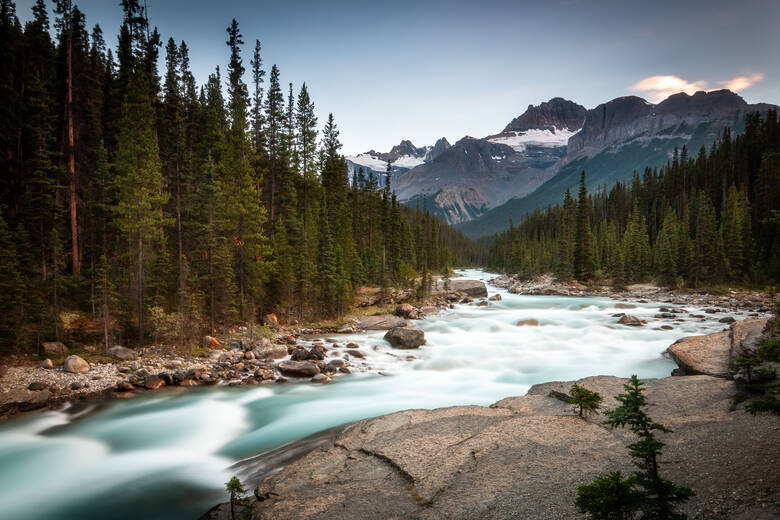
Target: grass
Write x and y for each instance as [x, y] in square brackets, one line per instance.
[371, 310]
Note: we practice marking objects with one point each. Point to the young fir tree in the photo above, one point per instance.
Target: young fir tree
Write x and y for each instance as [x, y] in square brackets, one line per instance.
[610, 497]
[661, 496]
[586, 401]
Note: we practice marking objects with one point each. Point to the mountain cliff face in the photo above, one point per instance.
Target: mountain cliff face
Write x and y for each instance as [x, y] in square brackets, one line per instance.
[466, 180]
[402, 157]
[622, 136]
[558, 113]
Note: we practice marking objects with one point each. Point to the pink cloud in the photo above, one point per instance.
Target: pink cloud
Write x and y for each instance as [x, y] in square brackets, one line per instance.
[658, 88]
[741, 82]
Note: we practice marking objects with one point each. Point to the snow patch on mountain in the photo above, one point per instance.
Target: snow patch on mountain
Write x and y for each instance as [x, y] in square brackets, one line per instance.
[368, 161]
[409, 161]
[535, 137]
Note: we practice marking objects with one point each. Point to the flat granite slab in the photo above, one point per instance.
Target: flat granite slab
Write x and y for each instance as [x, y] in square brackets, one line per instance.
[524, 457]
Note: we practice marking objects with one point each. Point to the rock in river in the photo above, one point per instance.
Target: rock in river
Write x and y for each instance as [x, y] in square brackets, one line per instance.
[75, 365]
[298, 368]
[707, 355]
[631, 320]
[473, 288]
[380, 322]
[531, 322]
[405, 337]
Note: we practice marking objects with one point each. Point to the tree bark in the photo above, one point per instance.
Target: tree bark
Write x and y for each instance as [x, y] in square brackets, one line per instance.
[74, 233]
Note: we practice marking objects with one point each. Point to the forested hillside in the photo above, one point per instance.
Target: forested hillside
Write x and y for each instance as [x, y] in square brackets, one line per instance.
[132, 196]
[696, 221]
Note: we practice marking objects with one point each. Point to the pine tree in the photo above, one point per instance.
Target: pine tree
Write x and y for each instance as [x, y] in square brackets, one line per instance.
[666, 249]
[140, 187]
[241, 198]
[583, 250]
[566, 238]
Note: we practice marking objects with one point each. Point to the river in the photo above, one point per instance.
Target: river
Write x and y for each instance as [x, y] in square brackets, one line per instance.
[166, 455]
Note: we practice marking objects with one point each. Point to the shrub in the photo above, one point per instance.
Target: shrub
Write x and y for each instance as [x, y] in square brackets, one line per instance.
[586, 400]
[610, 497]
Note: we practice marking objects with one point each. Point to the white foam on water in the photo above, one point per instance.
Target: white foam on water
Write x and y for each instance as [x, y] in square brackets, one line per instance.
[473, 355]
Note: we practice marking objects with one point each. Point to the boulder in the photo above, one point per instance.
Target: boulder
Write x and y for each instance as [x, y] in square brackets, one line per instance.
[47, 364]
[54, 348]
[321, 378]
[727, 319]
[356, 353]
[75, 365]
[632, 321]
[211, 342]
[379, 322]
[299, 354]
[495, 298]
[122, 353]
[153, 382]
[298, 368]
[405, 337]
[625, 306]
[708, 355]
[271, 320]
[530, 322]
[272, 352]
[37, 386]
[745, 335]
[473, 288]
[404, 310]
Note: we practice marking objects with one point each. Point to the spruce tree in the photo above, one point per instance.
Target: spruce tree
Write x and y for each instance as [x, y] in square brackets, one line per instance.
[583, 250]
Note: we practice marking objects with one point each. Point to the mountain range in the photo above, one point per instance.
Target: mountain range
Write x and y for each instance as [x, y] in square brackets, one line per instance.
[479, 184]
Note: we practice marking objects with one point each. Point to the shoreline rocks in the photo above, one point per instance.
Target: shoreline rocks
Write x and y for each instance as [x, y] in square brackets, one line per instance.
[75, 365]
[714, 354]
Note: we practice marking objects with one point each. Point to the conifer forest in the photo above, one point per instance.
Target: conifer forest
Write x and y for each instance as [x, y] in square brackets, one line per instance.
[130, 193]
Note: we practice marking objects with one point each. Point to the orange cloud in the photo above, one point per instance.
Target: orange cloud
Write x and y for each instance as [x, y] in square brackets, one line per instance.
[741, 82]
[658, 88]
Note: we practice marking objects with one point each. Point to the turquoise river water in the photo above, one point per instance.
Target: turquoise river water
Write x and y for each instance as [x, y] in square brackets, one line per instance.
[166, 455]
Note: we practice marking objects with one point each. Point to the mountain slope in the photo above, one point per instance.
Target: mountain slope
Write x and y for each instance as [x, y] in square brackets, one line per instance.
[402, 157]
[620, 137]
[474, 175]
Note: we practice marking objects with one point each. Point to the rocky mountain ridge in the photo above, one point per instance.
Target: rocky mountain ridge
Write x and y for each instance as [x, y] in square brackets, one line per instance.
[620, 137]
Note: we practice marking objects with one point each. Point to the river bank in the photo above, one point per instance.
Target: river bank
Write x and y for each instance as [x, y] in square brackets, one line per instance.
[166, 454]
[28, 387]
[524, 457]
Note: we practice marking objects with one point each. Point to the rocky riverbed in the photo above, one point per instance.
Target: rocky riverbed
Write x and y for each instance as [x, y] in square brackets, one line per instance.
[293, 355]
[523, 457]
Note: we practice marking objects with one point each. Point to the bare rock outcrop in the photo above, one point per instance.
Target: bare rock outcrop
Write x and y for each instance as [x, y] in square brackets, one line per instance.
[524, 457]
[713, 354]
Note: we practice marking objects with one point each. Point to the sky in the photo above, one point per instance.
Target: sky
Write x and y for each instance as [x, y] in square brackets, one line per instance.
[425, 69]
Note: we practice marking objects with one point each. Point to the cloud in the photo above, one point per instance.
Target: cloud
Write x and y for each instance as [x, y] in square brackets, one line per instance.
[658, 88]
[741, 82]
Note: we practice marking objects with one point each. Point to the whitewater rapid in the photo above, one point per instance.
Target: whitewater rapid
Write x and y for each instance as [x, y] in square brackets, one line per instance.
[166, 455]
